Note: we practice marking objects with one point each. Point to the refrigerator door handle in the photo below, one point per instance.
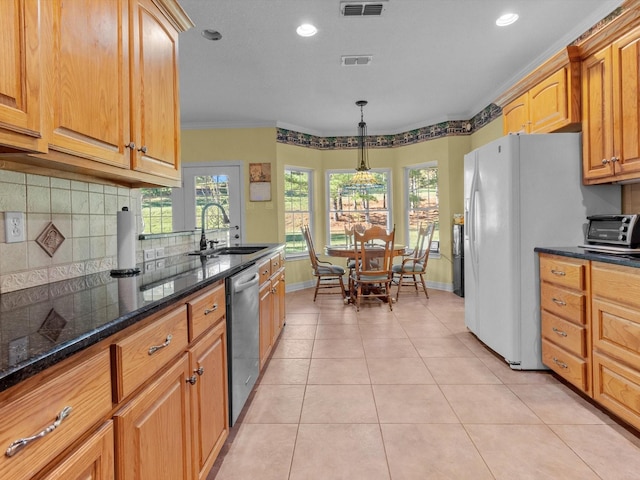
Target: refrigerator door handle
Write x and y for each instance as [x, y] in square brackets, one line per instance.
[471, 217]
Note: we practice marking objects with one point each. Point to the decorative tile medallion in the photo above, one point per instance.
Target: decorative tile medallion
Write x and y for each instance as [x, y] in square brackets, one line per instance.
[50, 239]
[52, 326]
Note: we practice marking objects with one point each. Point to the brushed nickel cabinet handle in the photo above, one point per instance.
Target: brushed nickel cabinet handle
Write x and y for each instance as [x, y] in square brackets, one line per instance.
[559, 363]
[143, 149]
[213, 308]
[199, 371]
[18, 445]
[559, 302]
[614, 159]
[166, 343]
[130, 145]
[605, 161]
[560, 332]
[559, 273]
[192, 379]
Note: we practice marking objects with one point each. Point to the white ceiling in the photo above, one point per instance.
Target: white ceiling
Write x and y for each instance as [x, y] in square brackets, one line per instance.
[433, 60]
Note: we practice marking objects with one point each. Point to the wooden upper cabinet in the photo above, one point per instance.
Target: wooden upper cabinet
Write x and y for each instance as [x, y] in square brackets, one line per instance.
[611, 124]
[20, 77]
[155, 92]
[516, 115]
[597, 122]
[548, 99]
[90, 81]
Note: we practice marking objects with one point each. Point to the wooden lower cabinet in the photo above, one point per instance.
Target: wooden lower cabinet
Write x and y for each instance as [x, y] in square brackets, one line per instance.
[565, 322]
[93, 460]
[209, 399]
[266, 324]
[153, 430]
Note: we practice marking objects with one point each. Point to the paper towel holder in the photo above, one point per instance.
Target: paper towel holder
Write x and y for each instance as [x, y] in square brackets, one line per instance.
[125, 272]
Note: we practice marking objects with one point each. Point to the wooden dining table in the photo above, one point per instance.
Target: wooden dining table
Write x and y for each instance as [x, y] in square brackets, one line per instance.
[346, 251]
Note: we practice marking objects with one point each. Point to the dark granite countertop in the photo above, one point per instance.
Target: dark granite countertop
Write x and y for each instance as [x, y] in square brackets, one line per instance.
[43, 325]
[629, 260]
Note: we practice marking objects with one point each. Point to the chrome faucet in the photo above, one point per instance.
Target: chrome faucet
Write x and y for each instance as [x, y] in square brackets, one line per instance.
[225, 219]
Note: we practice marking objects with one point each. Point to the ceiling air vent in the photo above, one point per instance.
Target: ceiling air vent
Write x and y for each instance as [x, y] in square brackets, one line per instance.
[356, 60]
[361, 9]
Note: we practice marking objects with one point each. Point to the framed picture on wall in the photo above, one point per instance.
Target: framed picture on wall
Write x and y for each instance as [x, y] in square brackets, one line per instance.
[260, 182]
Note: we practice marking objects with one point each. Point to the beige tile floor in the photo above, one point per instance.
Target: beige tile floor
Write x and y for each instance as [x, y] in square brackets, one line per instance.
[411, 394]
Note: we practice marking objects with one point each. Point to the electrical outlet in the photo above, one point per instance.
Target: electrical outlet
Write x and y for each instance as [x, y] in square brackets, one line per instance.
[14, 227]
[159, 264]
[149, 267]
[159, 252]
[149, 255]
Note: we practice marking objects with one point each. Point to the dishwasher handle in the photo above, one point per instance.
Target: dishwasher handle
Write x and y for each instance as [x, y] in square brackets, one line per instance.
[240, 286]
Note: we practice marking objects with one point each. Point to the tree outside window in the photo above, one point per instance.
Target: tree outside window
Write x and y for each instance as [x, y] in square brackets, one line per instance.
[297, 208]
[362, 206]
[422, 201]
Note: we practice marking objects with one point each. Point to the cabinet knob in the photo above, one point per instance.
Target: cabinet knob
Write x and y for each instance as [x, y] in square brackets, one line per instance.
[614, 159]
[199, 371]
[192, 380]
[143, 149]
[130, 145]
[605, 161]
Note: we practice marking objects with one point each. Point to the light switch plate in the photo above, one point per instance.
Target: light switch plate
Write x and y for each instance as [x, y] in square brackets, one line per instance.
[149, 254]
[159, 252]
[14, 227]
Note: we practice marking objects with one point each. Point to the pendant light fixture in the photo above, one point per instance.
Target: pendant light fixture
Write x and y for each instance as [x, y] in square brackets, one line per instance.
[363, 180]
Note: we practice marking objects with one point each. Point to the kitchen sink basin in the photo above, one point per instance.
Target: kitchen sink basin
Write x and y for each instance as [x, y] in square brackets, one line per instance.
[234, 250]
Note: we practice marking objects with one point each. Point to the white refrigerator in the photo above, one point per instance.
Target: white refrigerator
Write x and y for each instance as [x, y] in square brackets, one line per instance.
[521, 192]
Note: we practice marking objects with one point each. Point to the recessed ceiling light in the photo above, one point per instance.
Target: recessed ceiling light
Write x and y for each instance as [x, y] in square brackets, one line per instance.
[507, 19]
[306, 30]
[210, 34]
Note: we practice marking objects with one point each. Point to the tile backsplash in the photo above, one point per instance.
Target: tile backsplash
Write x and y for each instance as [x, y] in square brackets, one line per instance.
[84, 213]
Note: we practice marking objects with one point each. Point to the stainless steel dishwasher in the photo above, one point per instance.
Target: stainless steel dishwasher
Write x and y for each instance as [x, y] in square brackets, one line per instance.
[243, 329]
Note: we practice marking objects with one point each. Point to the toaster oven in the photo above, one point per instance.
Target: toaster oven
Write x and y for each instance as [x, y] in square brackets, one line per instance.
[619, 230]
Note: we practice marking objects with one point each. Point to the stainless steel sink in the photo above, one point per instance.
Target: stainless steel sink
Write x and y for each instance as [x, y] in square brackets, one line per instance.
[234, 250]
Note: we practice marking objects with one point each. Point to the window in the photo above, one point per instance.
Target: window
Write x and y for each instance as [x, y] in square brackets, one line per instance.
[297, 207]
[157, 210]
[422, 202]
[349, 207]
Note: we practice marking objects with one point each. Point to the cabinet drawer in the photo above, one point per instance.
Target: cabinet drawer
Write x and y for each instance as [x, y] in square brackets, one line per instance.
[568, 366]
[276, 263]
[206, 310]
[617, 387]
[567, 304]
[616, 282]
[85, 387]
[563, 271]
[264, 269]
[565, 334]
[138, 356]
[616, 331]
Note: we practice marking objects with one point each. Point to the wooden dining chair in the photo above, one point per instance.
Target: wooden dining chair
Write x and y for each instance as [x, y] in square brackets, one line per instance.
[372, 274]
[413, 267]
[329, 276]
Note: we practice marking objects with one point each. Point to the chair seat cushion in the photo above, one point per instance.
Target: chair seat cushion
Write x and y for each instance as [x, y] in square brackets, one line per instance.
[370, 278]
[330, 269]
[408, 267]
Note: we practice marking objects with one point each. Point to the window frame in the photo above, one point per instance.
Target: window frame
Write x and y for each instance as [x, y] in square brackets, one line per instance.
[310, 212]
[327, 197]
[435, 247]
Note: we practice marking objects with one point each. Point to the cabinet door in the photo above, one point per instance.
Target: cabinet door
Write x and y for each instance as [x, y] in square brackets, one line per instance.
[89, 80]
[153, 431]
[93, 460]
[597, 120]
[210, 400]
[154, 102]
[20, 77]
[278, 304]
[548, 103]
[626, 106]
[516, 115]
[266, 314]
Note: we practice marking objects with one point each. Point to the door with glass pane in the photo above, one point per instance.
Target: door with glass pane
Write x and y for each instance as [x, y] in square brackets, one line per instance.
[216, 192]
